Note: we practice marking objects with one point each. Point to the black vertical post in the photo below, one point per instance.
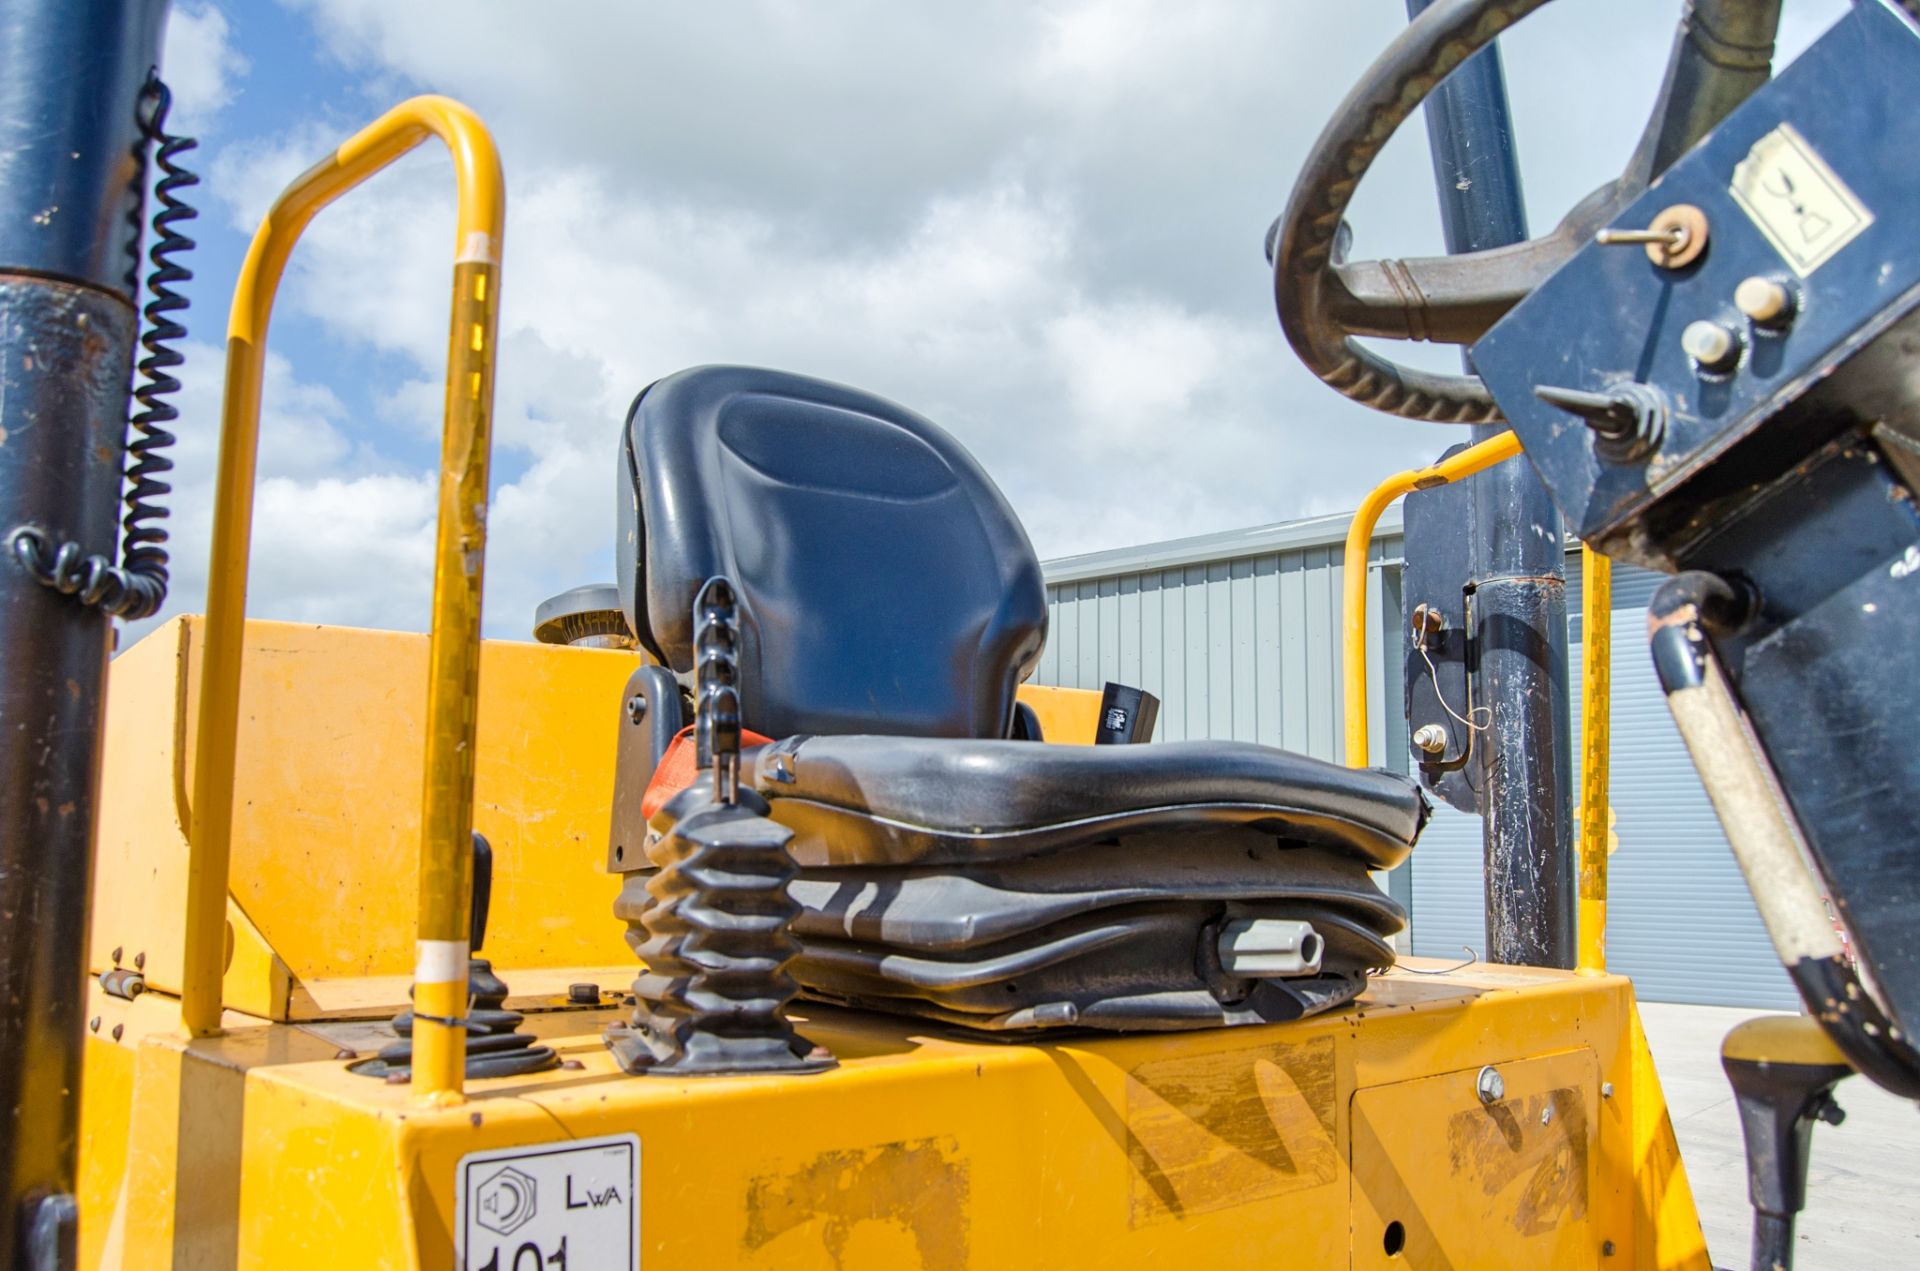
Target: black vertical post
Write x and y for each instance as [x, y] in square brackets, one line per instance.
[71, 74]
[1518, 579]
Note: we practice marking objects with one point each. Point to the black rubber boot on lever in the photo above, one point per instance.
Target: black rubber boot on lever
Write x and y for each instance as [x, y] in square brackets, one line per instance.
[495, 1046]
[714, 925]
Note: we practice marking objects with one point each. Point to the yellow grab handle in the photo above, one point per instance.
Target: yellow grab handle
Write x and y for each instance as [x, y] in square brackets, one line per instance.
[1597, 602]
[1353, 618]
[447, 812]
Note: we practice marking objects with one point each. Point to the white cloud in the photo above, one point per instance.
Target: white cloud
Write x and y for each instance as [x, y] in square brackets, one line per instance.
[201, 65]
[1038, 225]
[337, 532]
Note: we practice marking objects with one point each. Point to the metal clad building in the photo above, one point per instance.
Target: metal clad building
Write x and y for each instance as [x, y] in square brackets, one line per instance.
[1237, 634]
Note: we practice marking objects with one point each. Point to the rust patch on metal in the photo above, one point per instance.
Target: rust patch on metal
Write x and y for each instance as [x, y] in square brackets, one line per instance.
[1682, 615]
[1508, 1143]
[1215, 1131]
[918, 1186]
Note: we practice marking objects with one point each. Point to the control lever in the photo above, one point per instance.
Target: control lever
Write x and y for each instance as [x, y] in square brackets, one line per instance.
[1783, 1070]
[495, 1046]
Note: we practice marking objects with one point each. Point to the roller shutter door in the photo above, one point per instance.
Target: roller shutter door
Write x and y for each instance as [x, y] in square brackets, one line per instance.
[1679, 919]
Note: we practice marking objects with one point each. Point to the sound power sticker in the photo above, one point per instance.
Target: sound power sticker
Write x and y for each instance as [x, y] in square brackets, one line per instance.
[572, 1206]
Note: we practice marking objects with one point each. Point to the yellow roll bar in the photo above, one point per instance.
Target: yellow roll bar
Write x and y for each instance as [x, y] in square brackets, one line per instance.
[440, 989]
[1597, 606]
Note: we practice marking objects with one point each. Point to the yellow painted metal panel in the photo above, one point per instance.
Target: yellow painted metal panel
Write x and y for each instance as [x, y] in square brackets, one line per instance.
[921, 1150]
[1443, 1179]
[140, 846]
[1067, 715]
[327, 806]
[1664, 1218]
[106, 1099]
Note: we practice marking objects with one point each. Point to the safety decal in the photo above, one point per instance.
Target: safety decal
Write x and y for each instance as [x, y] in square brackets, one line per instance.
[1800, 204]
[572, 1206]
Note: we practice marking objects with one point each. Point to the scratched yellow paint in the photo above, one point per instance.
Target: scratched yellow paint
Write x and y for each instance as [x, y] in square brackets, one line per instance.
[1233, 1127]
[923, 1149]
[1442, 1179]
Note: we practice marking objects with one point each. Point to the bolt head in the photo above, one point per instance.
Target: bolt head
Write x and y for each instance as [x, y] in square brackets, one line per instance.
[1431, 738]
[636, 708]
[1710, 345]
[1490, 1085]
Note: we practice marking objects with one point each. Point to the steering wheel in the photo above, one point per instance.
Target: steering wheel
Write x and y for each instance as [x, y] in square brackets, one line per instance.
[1721, 53]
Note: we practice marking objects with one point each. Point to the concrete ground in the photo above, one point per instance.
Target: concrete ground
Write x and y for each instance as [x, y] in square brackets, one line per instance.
[1863, 1205]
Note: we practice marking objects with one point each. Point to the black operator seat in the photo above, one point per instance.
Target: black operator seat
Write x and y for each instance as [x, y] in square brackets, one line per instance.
[890, 604]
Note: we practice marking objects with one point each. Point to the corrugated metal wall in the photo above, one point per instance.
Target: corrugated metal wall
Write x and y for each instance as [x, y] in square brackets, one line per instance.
[1245, 647]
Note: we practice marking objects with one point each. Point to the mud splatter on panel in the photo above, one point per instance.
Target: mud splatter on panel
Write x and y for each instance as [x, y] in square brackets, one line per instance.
[1214, 1131]
[1539, 1142]
[919, 1186]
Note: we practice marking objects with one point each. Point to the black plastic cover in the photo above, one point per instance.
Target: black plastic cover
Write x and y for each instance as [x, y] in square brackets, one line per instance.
[1127, 716]
[885, 585]
[898, 800]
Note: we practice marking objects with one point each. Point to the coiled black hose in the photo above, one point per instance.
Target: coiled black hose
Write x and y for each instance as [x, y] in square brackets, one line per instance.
[137, 586]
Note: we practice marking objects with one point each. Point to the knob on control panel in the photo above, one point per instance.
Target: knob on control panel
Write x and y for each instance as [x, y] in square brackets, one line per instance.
[1766, 302]
[1712, 346]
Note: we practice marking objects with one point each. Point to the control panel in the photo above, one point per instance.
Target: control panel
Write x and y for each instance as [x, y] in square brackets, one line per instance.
[1758, 301]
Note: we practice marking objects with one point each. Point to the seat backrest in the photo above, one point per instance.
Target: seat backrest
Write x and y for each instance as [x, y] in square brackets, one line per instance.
[885, 586]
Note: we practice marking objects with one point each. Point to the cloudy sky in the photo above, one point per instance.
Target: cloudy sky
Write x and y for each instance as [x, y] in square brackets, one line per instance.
[1039, 224]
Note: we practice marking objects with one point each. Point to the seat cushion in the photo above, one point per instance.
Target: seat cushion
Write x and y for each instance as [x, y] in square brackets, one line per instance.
[1008, 885]
[935, 801]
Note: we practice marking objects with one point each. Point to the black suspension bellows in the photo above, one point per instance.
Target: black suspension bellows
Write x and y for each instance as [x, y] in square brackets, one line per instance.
[714, 924]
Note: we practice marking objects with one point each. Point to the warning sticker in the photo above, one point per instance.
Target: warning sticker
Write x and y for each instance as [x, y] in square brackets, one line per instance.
[570, 1206]
[1800, 204]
